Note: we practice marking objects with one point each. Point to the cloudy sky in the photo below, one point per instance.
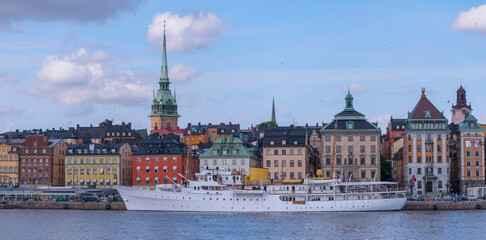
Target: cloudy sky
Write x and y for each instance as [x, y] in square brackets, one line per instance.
[72, 62]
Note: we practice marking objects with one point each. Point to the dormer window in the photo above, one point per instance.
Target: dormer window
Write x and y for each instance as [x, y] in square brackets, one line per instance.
[108, 134]
[215, 151]
[349, 125]
[284, 142]
[272, 143]
[296, 142]
[232, 130]
[427, 114]
[123, 134]
[222, 130]
[113, 150]
[225, 151]
[235, 151]
[129, 134]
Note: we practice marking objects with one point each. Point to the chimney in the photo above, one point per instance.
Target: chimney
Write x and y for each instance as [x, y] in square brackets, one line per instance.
[91, 125]
[123, 123]
[16, 130]
[77, 126]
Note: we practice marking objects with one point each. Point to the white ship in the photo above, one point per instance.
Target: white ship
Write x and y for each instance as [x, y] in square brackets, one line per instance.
[218, 191]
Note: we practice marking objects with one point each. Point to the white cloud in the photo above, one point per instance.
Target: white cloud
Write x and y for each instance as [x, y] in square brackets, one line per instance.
[81, 78]
[185, 33]
[473, 20]
[408, 90]
[181, 74]
[354, 88]
[9, 126]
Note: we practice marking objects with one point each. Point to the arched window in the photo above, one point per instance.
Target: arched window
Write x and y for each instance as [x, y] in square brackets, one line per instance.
[169, 125]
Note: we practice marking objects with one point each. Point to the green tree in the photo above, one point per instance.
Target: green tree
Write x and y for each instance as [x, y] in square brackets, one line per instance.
[385, 169]
[267, 124]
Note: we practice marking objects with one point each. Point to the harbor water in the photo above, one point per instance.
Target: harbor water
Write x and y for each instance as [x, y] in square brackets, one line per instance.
[79, 224]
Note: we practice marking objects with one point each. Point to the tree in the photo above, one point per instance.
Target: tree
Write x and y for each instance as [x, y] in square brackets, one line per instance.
[267, 124]
[385, 169]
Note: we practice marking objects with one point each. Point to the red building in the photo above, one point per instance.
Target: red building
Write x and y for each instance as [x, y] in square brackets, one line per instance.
[42, 161]
[163, 161]
[394, 132]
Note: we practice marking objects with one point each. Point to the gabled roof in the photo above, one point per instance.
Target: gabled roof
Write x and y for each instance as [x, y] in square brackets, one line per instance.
[229, 147]
[424, 105]
[470, 124]
[357, 125]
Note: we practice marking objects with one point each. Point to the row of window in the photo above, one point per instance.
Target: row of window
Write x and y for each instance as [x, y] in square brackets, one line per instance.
[284, 163]
[117, 134]
[7, 158]
[428, 137]
[439, 185]
[88, 170]
[5, 149]
[468, 173]
[468, 163]
[90, 182]
[93, 161]
[351, 138]
[284, 142]
[92, 151]
[156, 159]
[156, 169]
[428, 125]
[156, 180]
[8, 180]
[427, 171]
[9, 169]
[363, 174]
[428, 159]
[35, 160]
[35, 151]
[284, 152]
[428, 148]
[362, 149]
[225, 151]
[35, 180]
[224, 162]
[35, 169]
[283, 175]
[351, 161]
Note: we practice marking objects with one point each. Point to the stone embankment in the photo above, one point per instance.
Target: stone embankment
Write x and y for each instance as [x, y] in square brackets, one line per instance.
[446, 205]
[65, 205]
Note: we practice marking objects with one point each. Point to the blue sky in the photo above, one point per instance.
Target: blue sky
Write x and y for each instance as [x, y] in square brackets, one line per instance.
[69, 64]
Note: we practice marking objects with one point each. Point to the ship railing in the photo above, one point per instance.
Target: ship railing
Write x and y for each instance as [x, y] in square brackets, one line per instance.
[350, 196]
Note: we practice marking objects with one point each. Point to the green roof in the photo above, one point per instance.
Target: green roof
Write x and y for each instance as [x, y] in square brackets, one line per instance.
[229, 147]
[470, 124]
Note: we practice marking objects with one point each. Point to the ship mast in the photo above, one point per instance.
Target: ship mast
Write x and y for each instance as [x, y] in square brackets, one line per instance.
[334, 149]
[189, 147]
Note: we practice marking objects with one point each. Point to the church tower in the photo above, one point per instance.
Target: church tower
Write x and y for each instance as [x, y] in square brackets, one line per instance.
[164, 106]
[274, 119]
[461, 110]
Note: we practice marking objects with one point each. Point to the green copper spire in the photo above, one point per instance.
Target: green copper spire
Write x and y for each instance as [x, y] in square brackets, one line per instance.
[349, 102]
[164, 104]
[164, 73]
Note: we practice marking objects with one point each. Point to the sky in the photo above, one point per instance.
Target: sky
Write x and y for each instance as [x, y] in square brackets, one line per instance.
[64, 63]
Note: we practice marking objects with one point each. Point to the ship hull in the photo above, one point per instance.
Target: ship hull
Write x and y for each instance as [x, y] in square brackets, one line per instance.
[228, 201]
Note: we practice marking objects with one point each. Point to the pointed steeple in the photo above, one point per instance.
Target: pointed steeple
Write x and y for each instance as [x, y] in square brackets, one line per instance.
[274, 119]
[164, 73]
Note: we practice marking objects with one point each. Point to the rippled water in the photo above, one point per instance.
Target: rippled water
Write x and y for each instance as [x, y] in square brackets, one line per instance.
[75, 224]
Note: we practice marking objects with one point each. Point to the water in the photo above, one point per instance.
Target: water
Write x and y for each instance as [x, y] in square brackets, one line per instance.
[76, 224]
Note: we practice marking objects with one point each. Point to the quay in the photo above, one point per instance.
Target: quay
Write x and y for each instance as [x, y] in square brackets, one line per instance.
[63, 205]
[444, 205]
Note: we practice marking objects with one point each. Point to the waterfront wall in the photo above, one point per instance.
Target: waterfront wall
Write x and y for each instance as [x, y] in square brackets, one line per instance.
[425, 206]
[65, 205]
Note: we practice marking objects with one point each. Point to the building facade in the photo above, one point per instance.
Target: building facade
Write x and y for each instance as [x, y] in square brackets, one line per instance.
[470, 164]
[201, 133]
[9, 161]
[394, 131]
[98, 164]
[356, 148]
[424, 149]
[229, 153]
[41, 161]
[287, 153]
[163, 161]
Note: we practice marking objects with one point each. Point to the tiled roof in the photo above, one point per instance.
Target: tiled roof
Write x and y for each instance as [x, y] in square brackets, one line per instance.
[424, 105]
[358, 125]
[200, 129]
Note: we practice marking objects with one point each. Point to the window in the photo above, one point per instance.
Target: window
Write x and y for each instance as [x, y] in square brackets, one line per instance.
[174, 169]
[328, 149]
[439, 170]
[284, 163]
[373, 149]
[362, 149]
[165, 159]
[291, 175]
[291, 163]
[477, 153]
[409, 159]
[275, 152]
[338, 138]
[139, 169]
[268, 152]
[272, 143]
[275, 176]
[362, 161]
[215, 162]
[47, 169]
[174, 159]
[284, 152]
[468, 163]
[296, 142]
[242, 161]
[439, 159]
[468, 173]
[155, 160]
[468, 153]
[165, 169]
[338, 149]
[477, 173]
[373, 138]
[299, 175]
[419, 159]
[284, 142]
[156, 169]
[350, 149]
[363, 174]
[362, 138]
[147, 159]
[147, 169]
[409, 171]
[299, 163]
[275, 163]
[147, 180]
[477, 162]
[350, 138]
[373, 160]
[419, 184]
[299, 152]
[439, 184]
[419, 170]
[328, 138]
[268, 163]
[338, 160]
[328, 161]
[234, 161]
[292, 152]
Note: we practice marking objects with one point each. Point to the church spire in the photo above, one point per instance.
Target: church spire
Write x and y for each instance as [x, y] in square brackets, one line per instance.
[164, 73]
[274, 119]
[349, 101]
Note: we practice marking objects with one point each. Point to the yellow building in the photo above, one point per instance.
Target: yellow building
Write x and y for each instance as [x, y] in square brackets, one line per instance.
[98, 164]
[9, 161]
